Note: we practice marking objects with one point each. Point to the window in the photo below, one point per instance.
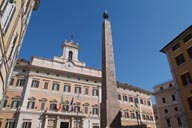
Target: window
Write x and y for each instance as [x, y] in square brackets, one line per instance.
[175, 47]
[95, 111]
[132, 115]
[166, 110]
[149, 103]
[180, 59]
[26, 6]
[179, 122]
[151, 118]
[187, 38]
[86, 91]
[161, 88]
[141, 101]
[119, 96]
[10, 124]
[31, 105]
[173, 97]
[4, 5]
[35, 84]
[5, 103]
[78, 90]
[125, 98]
[11, 80]
[176, 108]
[186, 79]
[70, 57]
[136, 100]
[15, 103]
[168, 123]
[13, 49]
[53, 106]
[86, 109]
[163, 99]
[95, 92]
[55, 86]
[147, 117]
[170, 85]
[26, 124]
[126, 114]
[67, 88]
[46, 83]
[77, 108]
[8, 10]
[130, 99]
[189, 51]
[20, 82]
[189, 99]
[143, 116]
[42, 105]
[65, 107]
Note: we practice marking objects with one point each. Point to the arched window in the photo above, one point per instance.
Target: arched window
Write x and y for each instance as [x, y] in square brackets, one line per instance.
[70, 57]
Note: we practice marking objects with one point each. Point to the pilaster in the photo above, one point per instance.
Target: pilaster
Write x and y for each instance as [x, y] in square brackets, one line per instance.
[26, 92]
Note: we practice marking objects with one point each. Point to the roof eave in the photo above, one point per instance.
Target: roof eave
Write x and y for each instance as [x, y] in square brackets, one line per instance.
[163, 50]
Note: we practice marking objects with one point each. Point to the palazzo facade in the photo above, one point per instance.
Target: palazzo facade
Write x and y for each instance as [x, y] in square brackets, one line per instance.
[65, 93]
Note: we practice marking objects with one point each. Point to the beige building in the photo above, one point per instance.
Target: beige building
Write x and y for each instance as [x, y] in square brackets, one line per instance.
[65, 93]
[14, 19]
[156, 117]
[179, 54]
[168, 106]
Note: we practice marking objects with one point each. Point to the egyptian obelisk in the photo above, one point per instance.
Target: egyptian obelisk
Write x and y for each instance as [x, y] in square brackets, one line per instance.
[110, 108]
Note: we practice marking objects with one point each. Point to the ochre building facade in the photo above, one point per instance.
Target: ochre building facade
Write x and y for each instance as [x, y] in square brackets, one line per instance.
[14, 19]
[179, 54]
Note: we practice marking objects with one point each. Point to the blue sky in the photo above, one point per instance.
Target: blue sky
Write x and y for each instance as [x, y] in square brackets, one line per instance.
[140, 28]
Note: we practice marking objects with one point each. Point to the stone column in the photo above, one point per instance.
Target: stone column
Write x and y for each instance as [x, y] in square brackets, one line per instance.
[110, 108]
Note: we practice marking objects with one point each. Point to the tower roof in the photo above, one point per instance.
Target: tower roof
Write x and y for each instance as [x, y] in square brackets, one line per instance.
[70, 44]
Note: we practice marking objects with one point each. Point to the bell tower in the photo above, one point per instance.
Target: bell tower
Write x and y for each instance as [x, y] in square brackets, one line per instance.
[70, 53]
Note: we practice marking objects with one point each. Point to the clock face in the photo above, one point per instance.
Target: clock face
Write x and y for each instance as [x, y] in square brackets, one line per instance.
[69, 65]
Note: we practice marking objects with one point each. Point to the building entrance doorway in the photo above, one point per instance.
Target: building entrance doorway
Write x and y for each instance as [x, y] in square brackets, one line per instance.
[64, 125]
